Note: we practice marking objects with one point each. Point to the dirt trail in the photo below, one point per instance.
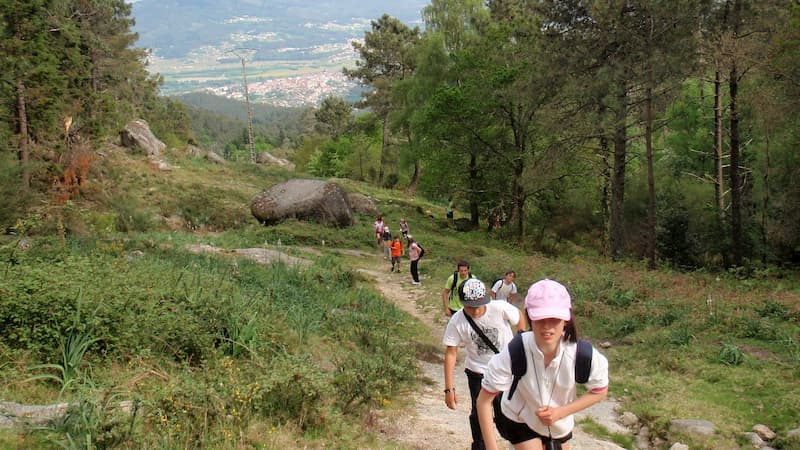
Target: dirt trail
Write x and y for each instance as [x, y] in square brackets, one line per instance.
[428, 424]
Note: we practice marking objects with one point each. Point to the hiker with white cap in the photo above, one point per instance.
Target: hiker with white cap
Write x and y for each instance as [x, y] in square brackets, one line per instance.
[538, 405]
[481, 326]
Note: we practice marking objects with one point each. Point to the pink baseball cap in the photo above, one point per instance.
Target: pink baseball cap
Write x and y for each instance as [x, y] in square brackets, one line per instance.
[548, 299]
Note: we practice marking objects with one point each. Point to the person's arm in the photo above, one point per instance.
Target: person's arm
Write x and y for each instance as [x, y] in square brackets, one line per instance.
[485, 418]
[449, 384]
[446, 297]
[522, 325]
[493, 293]
[549, 414]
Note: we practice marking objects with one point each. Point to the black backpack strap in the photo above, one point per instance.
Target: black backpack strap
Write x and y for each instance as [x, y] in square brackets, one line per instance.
[480, 332]
[519, 363]
[455, 282]
[583, 361]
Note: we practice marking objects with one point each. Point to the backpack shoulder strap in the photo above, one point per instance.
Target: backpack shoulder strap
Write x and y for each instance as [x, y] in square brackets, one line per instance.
[481, 333]
[583, 361]
[519, 363]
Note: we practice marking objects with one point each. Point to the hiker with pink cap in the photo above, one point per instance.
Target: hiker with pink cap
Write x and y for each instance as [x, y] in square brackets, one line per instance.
[538, 376]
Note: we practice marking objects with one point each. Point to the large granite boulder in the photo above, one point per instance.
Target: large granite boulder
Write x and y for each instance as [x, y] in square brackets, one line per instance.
[137, 134]
[362, 204]
[269, 159]
[316, 200]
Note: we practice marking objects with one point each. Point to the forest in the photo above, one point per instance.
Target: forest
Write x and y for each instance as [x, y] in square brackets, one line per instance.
[642, 129]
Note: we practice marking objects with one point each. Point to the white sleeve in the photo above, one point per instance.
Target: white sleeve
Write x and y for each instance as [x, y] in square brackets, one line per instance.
[452, 338]
[497, 377]
[598, 376]
[510, 312]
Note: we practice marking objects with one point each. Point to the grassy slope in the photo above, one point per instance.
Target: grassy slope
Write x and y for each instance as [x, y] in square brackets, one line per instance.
[683, 345]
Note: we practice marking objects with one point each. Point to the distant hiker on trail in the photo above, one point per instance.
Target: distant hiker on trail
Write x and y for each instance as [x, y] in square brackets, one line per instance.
[505, 288]
[451, 302]
[451, 208]
[378, 226]
[482, 328]
[415, 252]
[386, 239]
[397, 252]
[535, 409]
[404, 228]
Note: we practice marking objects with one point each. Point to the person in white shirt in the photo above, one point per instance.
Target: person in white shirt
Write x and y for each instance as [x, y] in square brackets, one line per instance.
[505, 288]
[540, 415]
[492, 319]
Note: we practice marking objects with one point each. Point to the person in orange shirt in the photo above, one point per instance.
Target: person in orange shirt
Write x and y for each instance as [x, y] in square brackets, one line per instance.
[397, 252]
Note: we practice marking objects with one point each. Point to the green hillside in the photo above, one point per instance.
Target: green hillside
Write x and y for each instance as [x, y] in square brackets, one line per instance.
[221, 352]
[643, 154]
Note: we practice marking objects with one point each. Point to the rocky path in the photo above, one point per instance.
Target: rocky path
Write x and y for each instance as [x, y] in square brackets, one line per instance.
[428, 424]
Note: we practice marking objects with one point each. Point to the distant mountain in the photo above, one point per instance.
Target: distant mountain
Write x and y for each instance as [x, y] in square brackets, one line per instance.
[294, 50]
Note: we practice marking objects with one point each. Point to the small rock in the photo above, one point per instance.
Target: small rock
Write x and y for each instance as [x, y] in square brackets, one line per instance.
[693, 426]
[754, 439]
[764, 432]
[605, 344]
[679, 446]
[643, 438]
[628, 419]
[215, 158]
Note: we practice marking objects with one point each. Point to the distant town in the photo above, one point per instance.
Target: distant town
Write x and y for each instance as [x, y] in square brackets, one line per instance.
[302, 90]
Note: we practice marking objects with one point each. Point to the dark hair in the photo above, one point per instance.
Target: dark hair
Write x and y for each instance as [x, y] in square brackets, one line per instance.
[509, 272]
[462, 263]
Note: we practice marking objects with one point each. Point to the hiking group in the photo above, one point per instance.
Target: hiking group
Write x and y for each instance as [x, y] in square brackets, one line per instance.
[393, 247]
[523, 386]
[542, 367]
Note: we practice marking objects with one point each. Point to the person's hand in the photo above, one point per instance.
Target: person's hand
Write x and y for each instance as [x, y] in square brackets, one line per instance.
[447, 312]
[548, 415]
[450, 399]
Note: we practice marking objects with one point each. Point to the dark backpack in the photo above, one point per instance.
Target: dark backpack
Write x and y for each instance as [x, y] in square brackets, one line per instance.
[495, 282]
[421, 250]
[455, 281]
[519, 363]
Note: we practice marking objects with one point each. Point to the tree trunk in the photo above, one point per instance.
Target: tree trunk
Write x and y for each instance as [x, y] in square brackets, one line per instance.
[518, 200]
[719, 155]
[384, 144]
[736, 189]
[473, 198]
[606, 192]
[414, 183]
[765, 207]
[618, 175]
[719, 160]
[22, 119]
[651, 183]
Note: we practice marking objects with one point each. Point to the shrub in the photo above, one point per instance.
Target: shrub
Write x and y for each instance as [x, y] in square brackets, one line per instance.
[730, 354]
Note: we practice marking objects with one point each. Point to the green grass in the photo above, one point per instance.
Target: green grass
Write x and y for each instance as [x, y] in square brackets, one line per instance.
[214, 352]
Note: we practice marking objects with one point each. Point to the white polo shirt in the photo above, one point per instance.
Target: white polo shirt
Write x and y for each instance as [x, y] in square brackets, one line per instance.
[556, 385]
